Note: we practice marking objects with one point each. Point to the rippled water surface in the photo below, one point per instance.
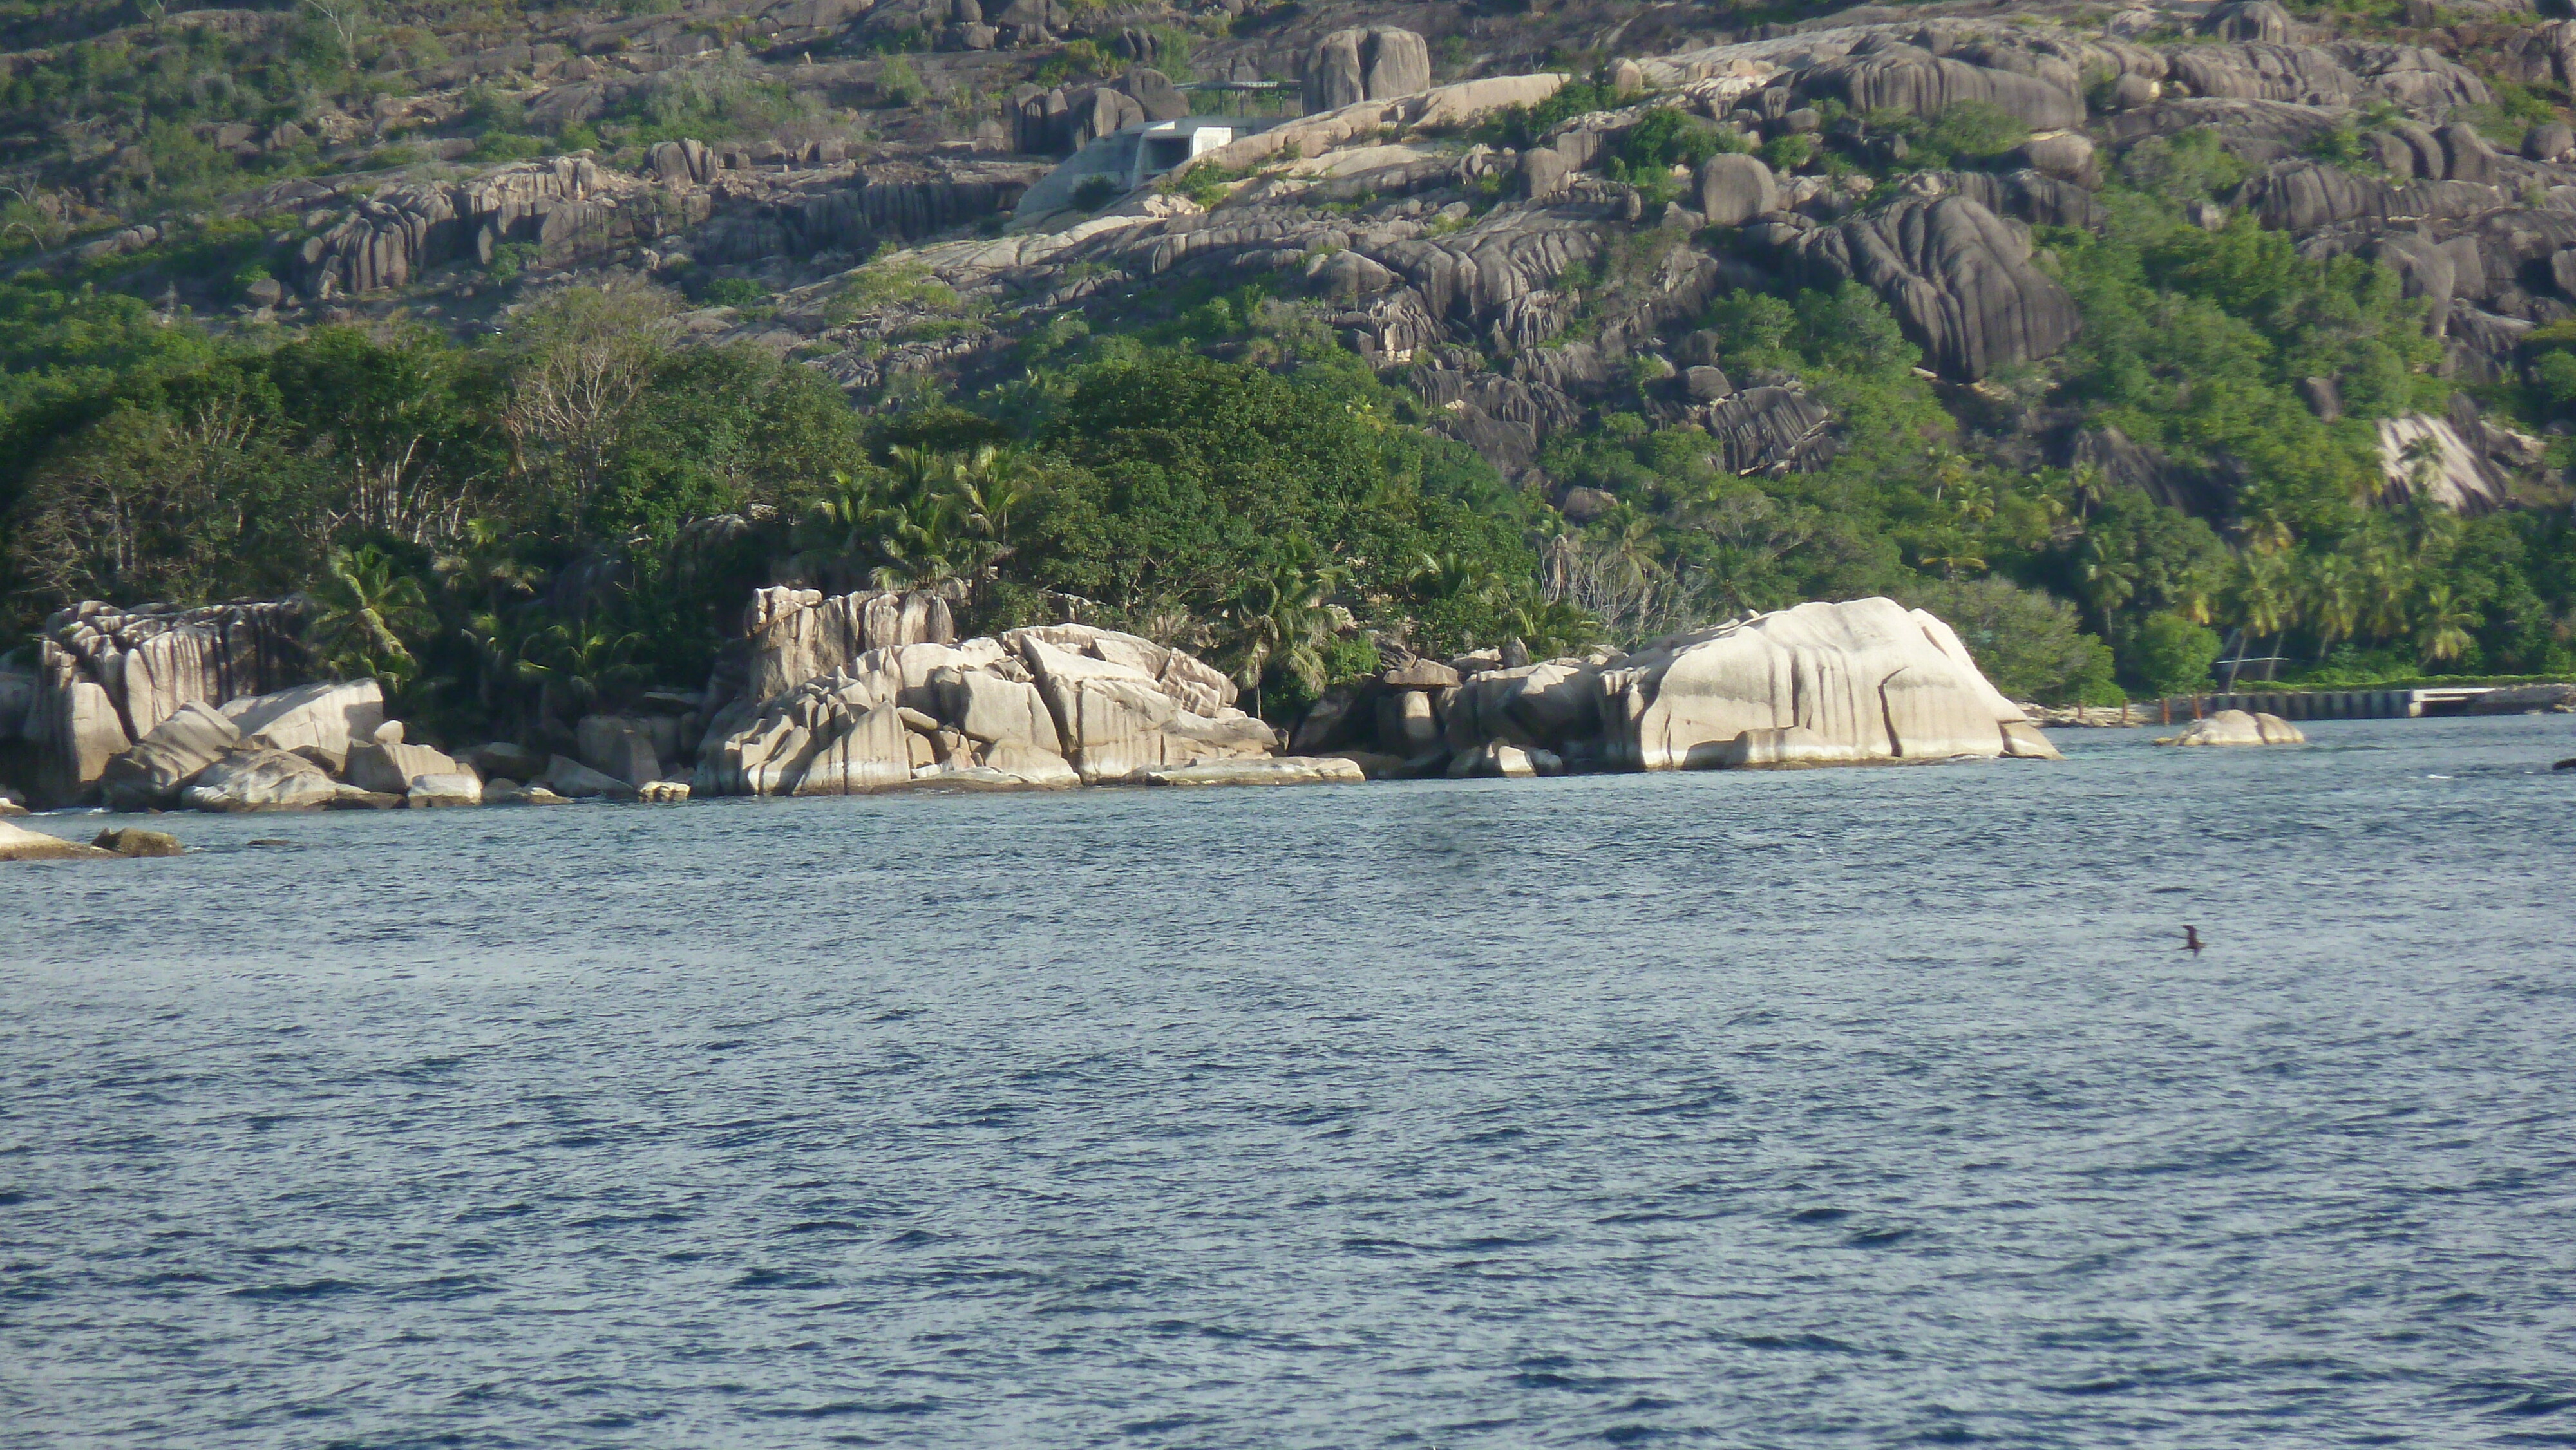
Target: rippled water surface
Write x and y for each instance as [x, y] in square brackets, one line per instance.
[1858, 1107]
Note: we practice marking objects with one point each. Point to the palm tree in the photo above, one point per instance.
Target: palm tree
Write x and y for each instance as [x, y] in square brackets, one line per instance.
[362, 610]
[2333, 602]
[2090, 487]
[2385, 575]
[1549, 627]
[925, 543]
[2263, 599]
[2442, 635]
[482, 566]
[1276, 618]
[2110, 579]
[1437, 577]
[585, 659]
[2423, 459]
[987, 485]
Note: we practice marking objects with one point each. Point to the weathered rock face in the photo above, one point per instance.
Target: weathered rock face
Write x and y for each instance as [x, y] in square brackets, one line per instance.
[322, 720]
[2238, 727]
[619, 746]
[1821, 684]
[1907, 78]
[1374, 64]
[1866, 681]
[1958, 277]
[1045, 706]
[76, 731]
[568, 209]
[107, 677]
[391, 768]
[1062, 120]
[797, 634]
[2424, 455]
[259, 778]
[854, 211]
[1734, 190]
[151, 775]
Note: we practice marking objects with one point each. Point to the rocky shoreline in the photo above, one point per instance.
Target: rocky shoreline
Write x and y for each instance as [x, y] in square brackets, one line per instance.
[859, 693]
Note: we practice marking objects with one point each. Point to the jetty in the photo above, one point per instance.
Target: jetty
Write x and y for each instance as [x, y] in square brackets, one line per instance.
[2320, 704]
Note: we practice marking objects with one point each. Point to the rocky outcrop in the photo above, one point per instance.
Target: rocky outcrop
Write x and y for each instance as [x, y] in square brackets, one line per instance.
[1373, 64]
[17, 843]
[1734, 190]
[854, 212]
[150, 776]
[107, 677]
[319, 721]
[1864, 681]
[1050, 705]
[154, 659]
[259, 778]
[2238, 727]
[1901, 77]
[1768, 430]
[1820, 684]
[2425, 456]
[573, 780]
[799, 634]
[390, 767]
[620, 746]
[567, 209]
[1958, 277]
[136, 842]
[1061, 120]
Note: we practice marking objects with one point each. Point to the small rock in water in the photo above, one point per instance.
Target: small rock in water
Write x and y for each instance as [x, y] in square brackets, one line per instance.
[131, 841]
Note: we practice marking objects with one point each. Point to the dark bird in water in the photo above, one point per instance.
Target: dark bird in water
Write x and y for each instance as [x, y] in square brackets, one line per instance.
[2191, 940]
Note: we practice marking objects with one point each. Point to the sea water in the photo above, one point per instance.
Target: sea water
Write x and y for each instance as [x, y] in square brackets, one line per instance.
[1842, 1107]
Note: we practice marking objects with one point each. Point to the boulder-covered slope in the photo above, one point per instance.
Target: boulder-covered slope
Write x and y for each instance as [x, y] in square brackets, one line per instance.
[1520, 282]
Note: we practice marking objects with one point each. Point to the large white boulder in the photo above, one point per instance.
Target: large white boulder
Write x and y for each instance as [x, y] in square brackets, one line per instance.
[1867, 680]
[322, 719]
[150, 776]
[2238, 727]
[444, 788]
[391, 767]
[568, 777]
[1268, 770]
[258, 778]
[618, 745]
[76, 731]
[998, 711]
[17, 843]
[872, 753]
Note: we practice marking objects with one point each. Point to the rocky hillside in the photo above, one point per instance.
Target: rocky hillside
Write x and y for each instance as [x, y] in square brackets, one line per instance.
[2126, 305]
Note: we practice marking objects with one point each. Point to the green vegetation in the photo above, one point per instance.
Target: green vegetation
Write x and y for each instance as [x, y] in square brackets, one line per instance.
[2194, 344]
[425, 495]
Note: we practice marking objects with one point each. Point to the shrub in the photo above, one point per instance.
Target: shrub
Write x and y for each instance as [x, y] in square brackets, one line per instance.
[2170, 655]
[1974, 131]
[1788, 153]
[733, 292]
[504, 146]
[898, 84]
